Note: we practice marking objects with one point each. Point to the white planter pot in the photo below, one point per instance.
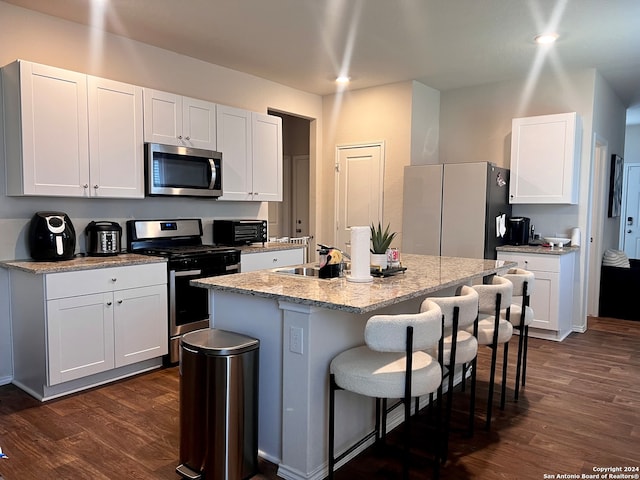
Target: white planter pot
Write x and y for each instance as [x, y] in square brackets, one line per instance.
[379, 260]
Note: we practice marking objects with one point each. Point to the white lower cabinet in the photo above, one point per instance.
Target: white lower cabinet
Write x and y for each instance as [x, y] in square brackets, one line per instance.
[73, 330]
[552, 298]
[250, 262]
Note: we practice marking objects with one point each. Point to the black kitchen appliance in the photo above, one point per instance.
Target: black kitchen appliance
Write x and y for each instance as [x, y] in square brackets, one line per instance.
[180, 241]
[239, 232]
[518, 230]
[103, 238]
[51, 236]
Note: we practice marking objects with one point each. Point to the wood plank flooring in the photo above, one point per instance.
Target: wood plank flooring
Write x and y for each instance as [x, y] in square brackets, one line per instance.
[580, 409]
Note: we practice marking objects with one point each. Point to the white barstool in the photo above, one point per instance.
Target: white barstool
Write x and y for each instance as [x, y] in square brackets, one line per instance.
[492, 330]
[460, 347]
[392, 364]
[520, 316]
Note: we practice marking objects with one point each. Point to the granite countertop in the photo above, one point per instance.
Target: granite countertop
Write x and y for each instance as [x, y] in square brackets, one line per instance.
[269, 247]
[425, 274]
[80, 263]
[537, 249]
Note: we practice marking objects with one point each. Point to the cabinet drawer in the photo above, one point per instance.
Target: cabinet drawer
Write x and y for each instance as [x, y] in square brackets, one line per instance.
[540, 262]
[263, 260]
[70, 284]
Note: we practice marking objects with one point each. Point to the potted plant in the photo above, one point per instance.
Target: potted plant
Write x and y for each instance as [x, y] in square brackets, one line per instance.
[380, 242]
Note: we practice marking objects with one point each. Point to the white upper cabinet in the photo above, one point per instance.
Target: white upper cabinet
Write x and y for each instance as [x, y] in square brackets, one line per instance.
[267, 157]
[46, 130]
[233, 127]
[545, 159]
[251, 146]
[172, 119]
[116, 145]
[67, 134]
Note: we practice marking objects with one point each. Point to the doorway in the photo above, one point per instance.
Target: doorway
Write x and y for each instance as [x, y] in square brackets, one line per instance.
[292, 214]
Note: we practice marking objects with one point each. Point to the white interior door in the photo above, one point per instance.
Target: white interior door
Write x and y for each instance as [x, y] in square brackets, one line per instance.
[359, 184]
[631, 213]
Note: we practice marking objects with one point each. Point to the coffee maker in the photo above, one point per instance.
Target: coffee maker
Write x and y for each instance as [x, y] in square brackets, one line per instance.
[518, 230]
[51, 236]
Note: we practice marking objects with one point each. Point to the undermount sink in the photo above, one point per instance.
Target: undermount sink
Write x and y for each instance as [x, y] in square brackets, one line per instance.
[302, 271]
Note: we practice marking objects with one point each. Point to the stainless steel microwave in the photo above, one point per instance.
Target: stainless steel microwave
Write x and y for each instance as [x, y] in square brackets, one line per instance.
[185, 171]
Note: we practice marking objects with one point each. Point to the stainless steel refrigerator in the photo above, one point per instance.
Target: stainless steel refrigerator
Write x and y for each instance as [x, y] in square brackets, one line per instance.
[455, 209]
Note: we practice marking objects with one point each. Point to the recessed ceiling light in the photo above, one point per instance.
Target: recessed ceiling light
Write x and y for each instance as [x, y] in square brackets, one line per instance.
[342, 79]
[546, 38]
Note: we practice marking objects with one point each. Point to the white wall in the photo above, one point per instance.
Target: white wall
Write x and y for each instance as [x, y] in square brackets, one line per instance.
[632, 144]
[40, 38]
[364, 116]
[425, 125]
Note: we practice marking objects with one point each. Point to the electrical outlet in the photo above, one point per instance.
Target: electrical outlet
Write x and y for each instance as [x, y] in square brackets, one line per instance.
[295, 340]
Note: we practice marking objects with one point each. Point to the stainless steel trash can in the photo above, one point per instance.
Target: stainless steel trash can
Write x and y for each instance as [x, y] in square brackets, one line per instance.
[218, 405]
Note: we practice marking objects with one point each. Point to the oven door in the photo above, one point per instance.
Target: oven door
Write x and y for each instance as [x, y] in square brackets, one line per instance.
[188, 306]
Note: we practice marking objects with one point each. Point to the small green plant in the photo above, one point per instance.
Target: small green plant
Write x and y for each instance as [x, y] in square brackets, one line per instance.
[380, 240]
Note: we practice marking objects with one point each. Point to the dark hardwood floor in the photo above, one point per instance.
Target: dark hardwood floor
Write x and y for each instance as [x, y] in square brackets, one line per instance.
[580, 409]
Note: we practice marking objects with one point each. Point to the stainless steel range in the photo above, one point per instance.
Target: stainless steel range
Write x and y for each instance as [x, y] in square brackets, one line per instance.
[180, 241]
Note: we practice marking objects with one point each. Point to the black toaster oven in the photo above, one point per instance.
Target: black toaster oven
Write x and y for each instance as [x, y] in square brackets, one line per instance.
[239, 232]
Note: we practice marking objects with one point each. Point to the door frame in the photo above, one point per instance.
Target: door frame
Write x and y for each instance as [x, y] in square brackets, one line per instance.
[594, 242]
[339, 148]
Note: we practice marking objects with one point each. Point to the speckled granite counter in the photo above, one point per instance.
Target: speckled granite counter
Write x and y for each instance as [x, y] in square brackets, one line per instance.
[80, 263]
[425, 274]
[537, 250]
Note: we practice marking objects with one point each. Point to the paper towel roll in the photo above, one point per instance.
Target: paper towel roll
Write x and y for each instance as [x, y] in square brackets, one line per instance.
[360, 269]
[575, 237]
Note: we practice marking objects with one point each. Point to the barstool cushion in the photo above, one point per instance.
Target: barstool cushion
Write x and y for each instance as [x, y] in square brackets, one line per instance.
[514, 315]
[487, 294]
[466, 301]
[466, 348]
[517, 276]
[382, 375]
[486, 322]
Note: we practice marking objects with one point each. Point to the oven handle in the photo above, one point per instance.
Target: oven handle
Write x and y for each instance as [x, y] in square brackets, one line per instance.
[187, 273]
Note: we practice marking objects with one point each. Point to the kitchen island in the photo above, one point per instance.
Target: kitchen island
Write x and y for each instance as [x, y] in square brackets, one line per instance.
[302, 323]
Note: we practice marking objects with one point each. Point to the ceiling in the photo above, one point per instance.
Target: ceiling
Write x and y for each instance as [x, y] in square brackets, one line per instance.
[445, 44]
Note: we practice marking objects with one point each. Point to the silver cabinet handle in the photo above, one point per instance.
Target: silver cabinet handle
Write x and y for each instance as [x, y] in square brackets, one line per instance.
[179, 137]
[86, 185]
[96, 187]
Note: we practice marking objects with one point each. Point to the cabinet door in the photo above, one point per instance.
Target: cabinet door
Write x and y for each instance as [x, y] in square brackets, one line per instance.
[49, 155]
[263, 260]
[162, 117]
[233, 126]
[267, 157]
[544, 300]
[141, 328]
[115, 139]
[545, 154]
[198, 123]
[79, 336]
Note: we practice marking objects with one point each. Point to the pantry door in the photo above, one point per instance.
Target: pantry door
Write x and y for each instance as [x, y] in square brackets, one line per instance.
[359, 186]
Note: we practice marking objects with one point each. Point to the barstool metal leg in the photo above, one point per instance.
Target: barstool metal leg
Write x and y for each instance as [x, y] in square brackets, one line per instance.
[332, 410]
